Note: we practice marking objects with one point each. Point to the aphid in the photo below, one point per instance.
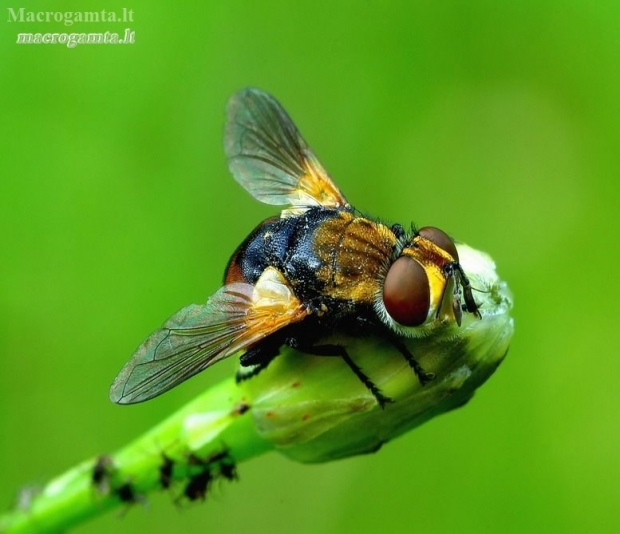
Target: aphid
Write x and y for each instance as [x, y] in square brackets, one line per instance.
[126, 493]
[198, 486]
[165, 471]
[319, 269]
[101, 473]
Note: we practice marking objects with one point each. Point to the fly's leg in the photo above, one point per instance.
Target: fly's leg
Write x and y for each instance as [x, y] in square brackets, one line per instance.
[338, 350]
[256, 359]
[423, 376]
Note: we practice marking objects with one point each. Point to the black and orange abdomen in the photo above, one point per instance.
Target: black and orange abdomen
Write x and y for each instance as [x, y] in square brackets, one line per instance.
[286, 244]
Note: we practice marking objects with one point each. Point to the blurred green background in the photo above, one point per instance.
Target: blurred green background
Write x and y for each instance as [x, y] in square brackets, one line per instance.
[496, 121]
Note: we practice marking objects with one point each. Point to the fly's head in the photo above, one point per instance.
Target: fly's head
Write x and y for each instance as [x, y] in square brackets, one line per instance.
[425, 285]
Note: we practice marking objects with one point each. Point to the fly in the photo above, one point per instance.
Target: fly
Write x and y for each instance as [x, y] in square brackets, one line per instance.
[319, 268]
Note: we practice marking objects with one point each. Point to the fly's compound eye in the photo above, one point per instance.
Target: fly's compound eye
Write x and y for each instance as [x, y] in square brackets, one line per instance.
[406, 292]
[441, 239]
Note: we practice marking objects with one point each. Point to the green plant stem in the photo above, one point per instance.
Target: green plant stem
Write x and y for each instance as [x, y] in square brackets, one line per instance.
[212, 423]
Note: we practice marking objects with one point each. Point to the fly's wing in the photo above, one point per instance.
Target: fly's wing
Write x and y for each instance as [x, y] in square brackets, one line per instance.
[198, 336]
[268, 156]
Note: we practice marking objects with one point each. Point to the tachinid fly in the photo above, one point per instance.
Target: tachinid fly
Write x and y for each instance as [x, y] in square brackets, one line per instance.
[319, 268]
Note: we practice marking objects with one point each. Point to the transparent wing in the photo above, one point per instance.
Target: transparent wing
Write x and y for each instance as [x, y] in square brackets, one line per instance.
[198, 336]
[268, 156]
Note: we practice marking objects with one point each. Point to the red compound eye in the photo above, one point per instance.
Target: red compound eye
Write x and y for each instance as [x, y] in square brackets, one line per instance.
[441, 239]
[406, 292]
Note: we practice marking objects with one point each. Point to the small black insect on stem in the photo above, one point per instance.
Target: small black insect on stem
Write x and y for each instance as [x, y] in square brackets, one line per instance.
[198, 486]
[102, 472]
[165, 471]
[126, 493]
[105, 479]
[219, 464]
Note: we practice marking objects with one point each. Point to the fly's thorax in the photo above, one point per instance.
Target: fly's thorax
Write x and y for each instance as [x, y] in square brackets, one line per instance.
[354, 253]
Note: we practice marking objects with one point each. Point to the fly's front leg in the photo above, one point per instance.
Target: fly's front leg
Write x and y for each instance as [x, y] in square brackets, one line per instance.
[423, 376]
[340, 351]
